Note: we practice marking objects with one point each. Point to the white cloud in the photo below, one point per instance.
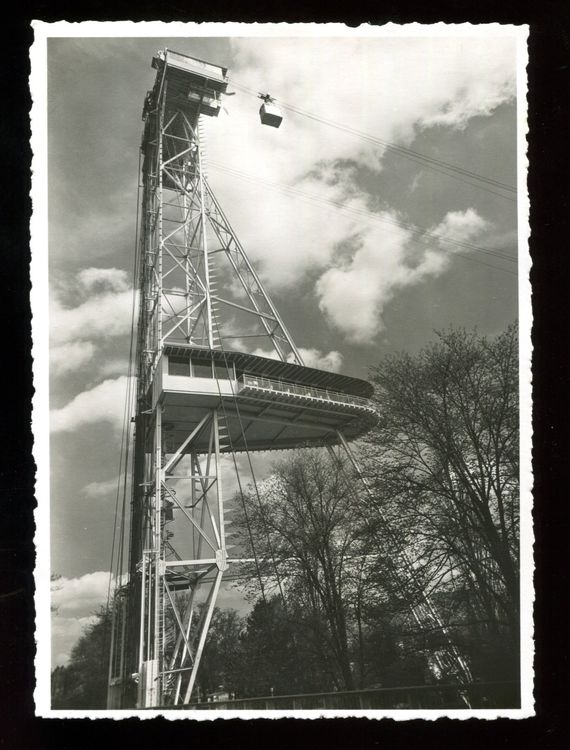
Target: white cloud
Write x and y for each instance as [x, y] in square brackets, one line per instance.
[332, 361]
[480, 97]
[104, 402]
[100, 316]
[105, 278]
[117, 366]
[75, 602]
[105, 311]
[65, 632]
[71, 596]
[460, 226]
[315, 358]
[389, 88]
[70, 356]
[353, 294]
[97, 490]
[385, 87]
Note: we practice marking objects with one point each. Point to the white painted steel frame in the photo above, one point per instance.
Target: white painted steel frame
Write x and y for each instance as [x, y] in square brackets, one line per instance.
[178, 214]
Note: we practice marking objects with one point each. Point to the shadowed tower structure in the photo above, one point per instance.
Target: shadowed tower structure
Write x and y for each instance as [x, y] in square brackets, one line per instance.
[201, 397]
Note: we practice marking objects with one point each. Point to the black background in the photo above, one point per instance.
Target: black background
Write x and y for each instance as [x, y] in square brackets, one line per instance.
[549, 108]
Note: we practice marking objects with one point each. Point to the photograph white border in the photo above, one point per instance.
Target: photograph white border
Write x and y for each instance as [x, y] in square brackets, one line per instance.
[40, 347]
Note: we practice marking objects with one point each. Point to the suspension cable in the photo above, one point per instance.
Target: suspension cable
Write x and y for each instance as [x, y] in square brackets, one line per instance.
[256, 489]
[429, 162]
[116, 562]
[418, 233]
[125, 434]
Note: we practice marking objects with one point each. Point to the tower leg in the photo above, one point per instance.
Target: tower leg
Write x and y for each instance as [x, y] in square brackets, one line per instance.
[179, 591]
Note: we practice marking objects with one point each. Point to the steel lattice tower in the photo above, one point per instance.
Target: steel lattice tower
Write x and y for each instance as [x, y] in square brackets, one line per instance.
[198, 398]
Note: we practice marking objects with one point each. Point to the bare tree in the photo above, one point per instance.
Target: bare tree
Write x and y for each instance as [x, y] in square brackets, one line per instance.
[308, 537]
[444, 465]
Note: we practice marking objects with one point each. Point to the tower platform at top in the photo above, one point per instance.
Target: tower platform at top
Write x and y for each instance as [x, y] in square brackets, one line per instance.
[190, 84]
[267, 404]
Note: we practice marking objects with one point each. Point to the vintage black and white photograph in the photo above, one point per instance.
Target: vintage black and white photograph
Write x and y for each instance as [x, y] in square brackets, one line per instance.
[282, 423]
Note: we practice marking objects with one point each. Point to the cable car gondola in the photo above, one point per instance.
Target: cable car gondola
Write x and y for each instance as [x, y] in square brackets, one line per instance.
[269, 112]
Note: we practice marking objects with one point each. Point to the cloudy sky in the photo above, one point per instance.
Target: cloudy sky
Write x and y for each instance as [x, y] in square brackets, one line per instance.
[365, 237]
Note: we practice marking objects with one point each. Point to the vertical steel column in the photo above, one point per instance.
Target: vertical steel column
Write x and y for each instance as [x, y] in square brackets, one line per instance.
[204, 238]
[205, 627]
[219, 494]
[157, 550]
[112, 653]
[142, 614]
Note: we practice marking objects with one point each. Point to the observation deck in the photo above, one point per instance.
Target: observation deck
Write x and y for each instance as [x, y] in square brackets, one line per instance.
[267, 404]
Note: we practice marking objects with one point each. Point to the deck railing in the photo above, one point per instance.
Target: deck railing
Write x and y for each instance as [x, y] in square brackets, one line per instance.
[304, 391]
[476, 695]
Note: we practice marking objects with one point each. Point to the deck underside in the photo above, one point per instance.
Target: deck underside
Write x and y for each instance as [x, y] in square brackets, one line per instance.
[263, 422]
